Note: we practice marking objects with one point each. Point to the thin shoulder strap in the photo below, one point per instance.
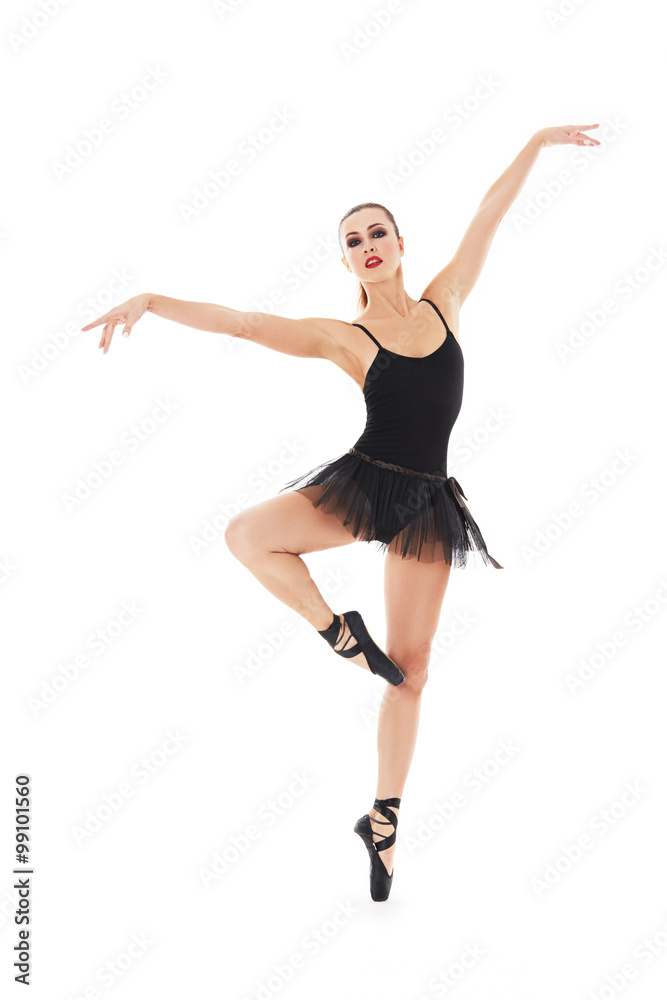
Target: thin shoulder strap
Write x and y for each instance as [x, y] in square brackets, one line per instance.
[369, 334]
[438, 312]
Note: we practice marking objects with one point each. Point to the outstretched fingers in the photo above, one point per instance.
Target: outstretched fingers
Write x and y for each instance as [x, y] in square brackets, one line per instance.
[110, 320]
[107, 334]
[574, 134]
[579, 136]
[113, 315]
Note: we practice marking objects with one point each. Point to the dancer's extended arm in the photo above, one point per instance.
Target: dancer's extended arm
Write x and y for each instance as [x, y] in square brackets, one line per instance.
[458, 277]
[304, 338]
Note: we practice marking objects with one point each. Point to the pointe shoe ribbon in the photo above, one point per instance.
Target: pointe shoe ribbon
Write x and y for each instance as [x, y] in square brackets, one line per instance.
[378, 661]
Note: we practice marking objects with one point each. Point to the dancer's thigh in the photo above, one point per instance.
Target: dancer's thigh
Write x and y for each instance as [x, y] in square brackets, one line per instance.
[287, 523]
[414, 592]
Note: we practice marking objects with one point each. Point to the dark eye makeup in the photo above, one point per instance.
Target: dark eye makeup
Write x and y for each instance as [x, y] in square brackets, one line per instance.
[378, 232]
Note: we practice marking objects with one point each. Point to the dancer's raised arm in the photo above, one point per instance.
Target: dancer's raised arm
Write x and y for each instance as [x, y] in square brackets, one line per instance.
[303, 338]
[458, 277]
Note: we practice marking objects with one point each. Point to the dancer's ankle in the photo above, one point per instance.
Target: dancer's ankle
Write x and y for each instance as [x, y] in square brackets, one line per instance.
[331, 620]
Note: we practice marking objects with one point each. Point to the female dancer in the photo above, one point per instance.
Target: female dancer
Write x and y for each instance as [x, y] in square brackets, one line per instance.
[391, 487]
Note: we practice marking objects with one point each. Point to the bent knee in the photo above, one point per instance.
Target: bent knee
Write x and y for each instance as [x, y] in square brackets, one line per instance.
[240, 534]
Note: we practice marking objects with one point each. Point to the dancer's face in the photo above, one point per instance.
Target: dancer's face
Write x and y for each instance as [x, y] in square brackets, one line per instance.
[368, 234]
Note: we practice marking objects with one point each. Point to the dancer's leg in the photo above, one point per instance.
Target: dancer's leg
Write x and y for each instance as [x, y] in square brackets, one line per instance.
[269, 538]
[414, 592]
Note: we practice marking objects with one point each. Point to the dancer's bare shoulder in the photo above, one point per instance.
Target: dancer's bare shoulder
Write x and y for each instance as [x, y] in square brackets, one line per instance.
[311, 337]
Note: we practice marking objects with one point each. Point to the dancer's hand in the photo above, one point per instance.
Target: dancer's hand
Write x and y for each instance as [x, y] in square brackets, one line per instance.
[128, 313]
[560, 136]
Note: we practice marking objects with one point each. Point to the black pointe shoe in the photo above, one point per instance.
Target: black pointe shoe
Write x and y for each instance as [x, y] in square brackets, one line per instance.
[353, 625]
[380, 878]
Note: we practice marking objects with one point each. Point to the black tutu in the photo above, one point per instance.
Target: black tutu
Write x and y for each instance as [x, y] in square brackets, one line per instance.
[400, 510]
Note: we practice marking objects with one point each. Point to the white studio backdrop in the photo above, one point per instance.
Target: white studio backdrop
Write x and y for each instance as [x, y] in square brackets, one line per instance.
[197, 757]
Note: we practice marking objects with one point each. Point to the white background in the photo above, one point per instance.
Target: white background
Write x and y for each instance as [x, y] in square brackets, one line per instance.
[470, 881]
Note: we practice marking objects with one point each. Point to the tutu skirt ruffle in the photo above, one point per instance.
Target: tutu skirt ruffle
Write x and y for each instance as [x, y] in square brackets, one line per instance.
[414, 514]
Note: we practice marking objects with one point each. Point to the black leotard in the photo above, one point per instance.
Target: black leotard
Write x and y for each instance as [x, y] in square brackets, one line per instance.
[412, 404]
[392, 486]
